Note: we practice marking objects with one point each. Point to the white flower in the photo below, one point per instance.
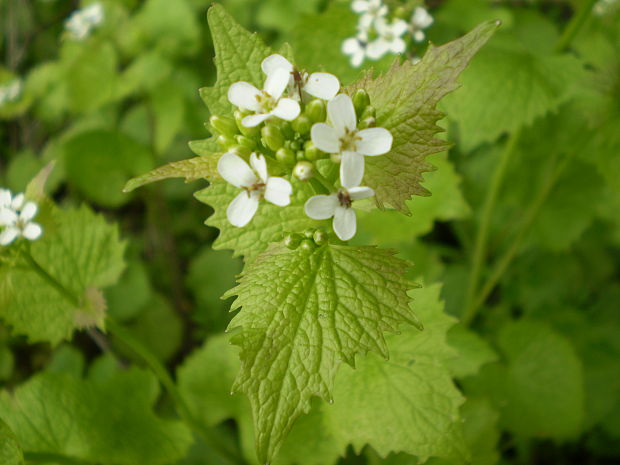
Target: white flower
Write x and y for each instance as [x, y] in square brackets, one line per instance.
[343, 138]
[356, 47]
[16, 218]
[420, 20]
[389, 40]
[11, 91]
[256, 184]
[321, 85]
[267, 102]
[321, 207]
[81, 22]
[370, 11]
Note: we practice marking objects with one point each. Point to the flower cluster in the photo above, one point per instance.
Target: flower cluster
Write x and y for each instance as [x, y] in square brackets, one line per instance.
[379, 33]
[10, 91]
[82, 22]
[296, 120]
[16, 215]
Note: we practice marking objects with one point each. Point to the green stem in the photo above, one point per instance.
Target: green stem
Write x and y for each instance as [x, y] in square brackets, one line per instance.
[575, 24]
[472, 304]
[485, 223]
[531, 215]
[44, 457]
[211, 436]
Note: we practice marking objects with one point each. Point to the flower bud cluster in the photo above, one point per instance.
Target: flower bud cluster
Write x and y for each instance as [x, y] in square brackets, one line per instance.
[381, 31]
[298, 126]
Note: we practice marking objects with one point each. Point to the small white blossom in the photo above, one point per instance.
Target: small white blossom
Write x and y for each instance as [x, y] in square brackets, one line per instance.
[10, 91]
[82, 22]
[370, 11]
[267, 102]
[344, 139]
[420, 20]
[320, 85]
[356, 47]
[256, 184]
[16, 217]
[389, 40]
[338, 205]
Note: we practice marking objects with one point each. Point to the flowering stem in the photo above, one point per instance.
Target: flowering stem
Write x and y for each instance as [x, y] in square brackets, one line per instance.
[573, 27]
[211, 436]
[485, 223]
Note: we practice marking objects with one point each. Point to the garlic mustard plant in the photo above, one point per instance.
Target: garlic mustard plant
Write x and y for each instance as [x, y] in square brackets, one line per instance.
[342, 138]
[81, 22]
[390, 38]
[256, 184]
[16, 215]
[420, 20]
[357, 48]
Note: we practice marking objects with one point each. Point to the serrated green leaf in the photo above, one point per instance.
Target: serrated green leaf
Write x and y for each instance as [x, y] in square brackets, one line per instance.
[10, 452]
[302, 313]
[405, 98]
[521, 85]
[409, 402]
[268, 225]
[473, 352]
[191, 169]
[238, 55]
[81, 251]
[100, 421]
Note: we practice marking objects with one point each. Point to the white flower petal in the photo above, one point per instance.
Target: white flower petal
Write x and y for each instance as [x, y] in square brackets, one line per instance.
[321, 207]
[5, 198]
[243, 95]
[399, 27]
[351, 46]
[278, 191]
[421, 18]
[342, 113]
[28, 212]
[397, 46]
[360, 6]
[251, 121]
[7, 217]
[351, 169]
[357, 59]
[345, 223]
[235, 170]
[359, 193]
[287, 109]
[418, 36]
[322, 85]
[325, 138]
[276, 82]
[259, 165]
[17, 202]
[374, 141]
[377, 48]
[242, 209]
[9, 235]
[32, 231]
[275, 61]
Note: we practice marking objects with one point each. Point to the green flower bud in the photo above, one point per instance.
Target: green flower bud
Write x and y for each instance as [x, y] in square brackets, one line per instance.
[320, 237]
[360, 101]
[286, 129]
[272, 137]
[285, 156]
[225, 141]
[248, 132]
[300, 155]
[312, 153]
[307, 245]
[309, 233]
[368, 112]
[292, 241]
[240, 150]
[316, 111]
[295, 145]
[224, 125]
[302, 124]
[245, 141]
[369, 122]
[303, 170]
